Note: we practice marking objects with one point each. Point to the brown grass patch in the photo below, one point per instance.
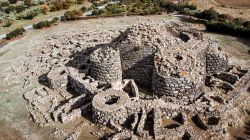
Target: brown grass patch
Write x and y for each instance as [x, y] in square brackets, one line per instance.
[234, 3]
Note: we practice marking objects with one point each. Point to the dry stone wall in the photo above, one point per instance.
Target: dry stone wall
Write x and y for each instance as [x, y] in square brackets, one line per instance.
[216, 63]
[110, 105]
[179, 88]
[105, 65]
[137, 64]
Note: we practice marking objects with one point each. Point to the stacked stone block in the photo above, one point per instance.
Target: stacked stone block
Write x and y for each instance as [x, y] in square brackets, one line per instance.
[110, 105]
[105, 65]
[216, 63]
[137, 64]
[179, 88]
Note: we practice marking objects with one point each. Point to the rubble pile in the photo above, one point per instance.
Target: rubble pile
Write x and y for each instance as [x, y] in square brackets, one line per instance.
[190, 85]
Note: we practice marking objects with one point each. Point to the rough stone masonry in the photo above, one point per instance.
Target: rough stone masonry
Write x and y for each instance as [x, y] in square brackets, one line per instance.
[154, 81]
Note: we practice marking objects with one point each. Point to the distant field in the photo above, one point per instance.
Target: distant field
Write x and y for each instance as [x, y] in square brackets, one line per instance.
[239, 3]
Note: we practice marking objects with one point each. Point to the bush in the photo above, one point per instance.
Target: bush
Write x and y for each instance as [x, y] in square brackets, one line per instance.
[28, 3]
[72, 15]
[32, 14]
[239, 21]
[20, 8]
[169, 6]
[15, 33]
[43, 24]
[55, 20]
[10, 9]
[7, 24]
[83, 9]
[61, 4]
[5, 4]
[210, 14]
[227, 28]
[80, 1]
[44, 8]
[246, 24]
[13, 1]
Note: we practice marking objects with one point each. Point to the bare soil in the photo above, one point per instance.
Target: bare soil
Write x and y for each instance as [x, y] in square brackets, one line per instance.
[231, 7]
[235, 3]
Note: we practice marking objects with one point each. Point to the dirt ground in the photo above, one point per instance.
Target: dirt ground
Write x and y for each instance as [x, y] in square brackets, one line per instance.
[15, 122]
[231, 7]
[235, 3]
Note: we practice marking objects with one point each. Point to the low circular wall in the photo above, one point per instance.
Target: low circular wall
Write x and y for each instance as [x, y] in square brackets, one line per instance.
[105, 65]
[110, 105]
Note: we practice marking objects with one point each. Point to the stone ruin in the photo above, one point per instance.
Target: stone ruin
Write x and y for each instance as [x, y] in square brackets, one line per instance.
[154, 81]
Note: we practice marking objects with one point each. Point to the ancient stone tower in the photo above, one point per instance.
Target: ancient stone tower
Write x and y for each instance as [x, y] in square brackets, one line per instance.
[105, 65]
[170, 61]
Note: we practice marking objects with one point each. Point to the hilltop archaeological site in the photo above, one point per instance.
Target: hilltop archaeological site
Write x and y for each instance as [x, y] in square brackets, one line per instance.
[155, 80]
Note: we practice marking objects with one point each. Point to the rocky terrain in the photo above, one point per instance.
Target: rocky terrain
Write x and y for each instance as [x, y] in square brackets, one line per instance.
[61, 58]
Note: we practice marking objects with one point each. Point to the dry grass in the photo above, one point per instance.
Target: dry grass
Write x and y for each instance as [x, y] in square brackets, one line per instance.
[232, 8]
[234, 3]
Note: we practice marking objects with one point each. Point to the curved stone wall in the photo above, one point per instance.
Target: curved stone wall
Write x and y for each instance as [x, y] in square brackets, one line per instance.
[137, 64]
[179, 88]
[105, 65]
[110, 105]
[216, 63]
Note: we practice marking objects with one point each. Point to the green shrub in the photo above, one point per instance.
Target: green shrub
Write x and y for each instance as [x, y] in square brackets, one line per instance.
[239, 21]
[186, 5]
[13, 1]
[246, 24]
[10, 9]
[80, 1]
[28, 3]
[55, 20]
[4, 4]
[227, 28]
[72, 15]
[32, 14]
[83, 9]
[61, 4]
[7, 24]
[210, 14]
[41, 25]
[44, 24]
[20, 8]
[15, 33]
